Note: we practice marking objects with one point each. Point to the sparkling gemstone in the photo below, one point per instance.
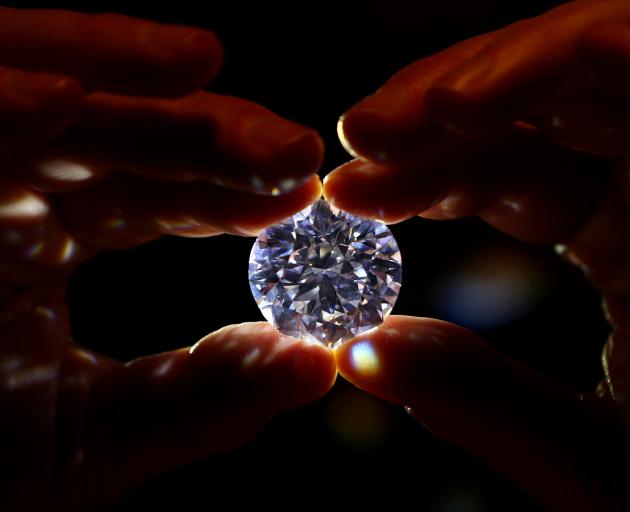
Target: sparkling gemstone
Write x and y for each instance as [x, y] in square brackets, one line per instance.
[325, 275]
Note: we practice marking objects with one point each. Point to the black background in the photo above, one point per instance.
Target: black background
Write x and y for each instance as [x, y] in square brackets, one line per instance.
[310, 62]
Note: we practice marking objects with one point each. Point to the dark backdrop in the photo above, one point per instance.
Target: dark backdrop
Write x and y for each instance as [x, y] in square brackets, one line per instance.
[309, 61]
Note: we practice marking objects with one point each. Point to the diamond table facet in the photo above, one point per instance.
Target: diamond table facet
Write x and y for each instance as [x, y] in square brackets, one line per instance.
[325, 275]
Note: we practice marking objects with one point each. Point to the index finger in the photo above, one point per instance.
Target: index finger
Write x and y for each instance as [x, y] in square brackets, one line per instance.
[109, 51]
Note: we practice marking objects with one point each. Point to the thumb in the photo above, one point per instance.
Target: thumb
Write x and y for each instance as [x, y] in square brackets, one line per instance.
[165, 410]
[534, 431]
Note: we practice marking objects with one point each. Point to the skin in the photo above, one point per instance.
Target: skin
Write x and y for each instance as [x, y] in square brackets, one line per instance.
[79, 429]
[545, 98]
[527, 128]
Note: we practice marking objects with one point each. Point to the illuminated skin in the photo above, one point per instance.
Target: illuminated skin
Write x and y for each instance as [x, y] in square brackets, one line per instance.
[79, 429]
[527, 128]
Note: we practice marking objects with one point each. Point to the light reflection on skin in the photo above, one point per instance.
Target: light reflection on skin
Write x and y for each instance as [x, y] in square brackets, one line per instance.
[116, 223]
[62, 170]
[46, 312]
[68, 250]
[86, 356]
[251, 357]
[164, 368]
[257, 184]
[178, 224]
[35, 249]
[28, 377]
[512, 204]
[364, 358]
[344, 141]
[288, 184]
[25, 207]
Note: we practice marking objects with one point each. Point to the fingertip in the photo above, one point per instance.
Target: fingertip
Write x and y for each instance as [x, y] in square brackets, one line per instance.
[376, 191]
[345, 188]
[299, 158]
[363, 133]
[204, 51]
[273, 210]
[284, 154]
[392, 360]
[315, 367]
[289, 371]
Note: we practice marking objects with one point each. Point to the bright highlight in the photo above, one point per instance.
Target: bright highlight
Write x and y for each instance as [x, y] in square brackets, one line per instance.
[62, 170]
[364, 359]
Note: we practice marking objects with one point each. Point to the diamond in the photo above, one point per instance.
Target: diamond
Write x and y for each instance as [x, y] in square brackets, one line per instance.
[325, 275]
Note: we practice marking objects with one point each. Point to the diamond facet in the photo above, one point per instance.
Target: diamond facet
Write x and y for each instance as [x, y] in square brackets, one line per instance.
[325, 275]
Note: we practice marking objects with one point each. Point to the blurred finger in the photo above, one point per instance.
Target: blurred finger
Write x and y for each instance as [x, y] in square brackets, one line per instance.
[526, 427]
[392, 124]
[35, 104]
[34, 331]
[110, 51]
[33, 245]
[503, 80]
[173, 408]
[21, 206]
[125, 210]
[605, 48]
[219, 139]
[526, 187]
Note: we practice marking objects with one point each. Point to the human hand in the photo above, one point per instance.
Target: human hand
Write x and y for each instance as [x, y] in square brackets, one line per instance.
[527, 128]
[107, 141]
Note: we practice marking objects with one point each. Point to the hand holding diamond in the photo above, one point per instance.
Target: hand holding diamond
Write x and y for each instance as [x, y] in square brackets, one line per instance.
[527, 128]
[106, 142]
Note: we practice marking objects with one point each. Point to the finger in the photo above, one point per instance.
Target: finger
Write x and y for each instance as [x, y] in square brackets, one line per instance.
[21, 206]
[219, 139]
[44, 246]
[110, 51]
[33, 335]
[392, 124]
[35, 104]
[601, 247]
[530, 189]
[517, 68]
[126, 210]
[526, 427]
[605, 48]
[173, 408]
[389, 193]
[31, 235]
